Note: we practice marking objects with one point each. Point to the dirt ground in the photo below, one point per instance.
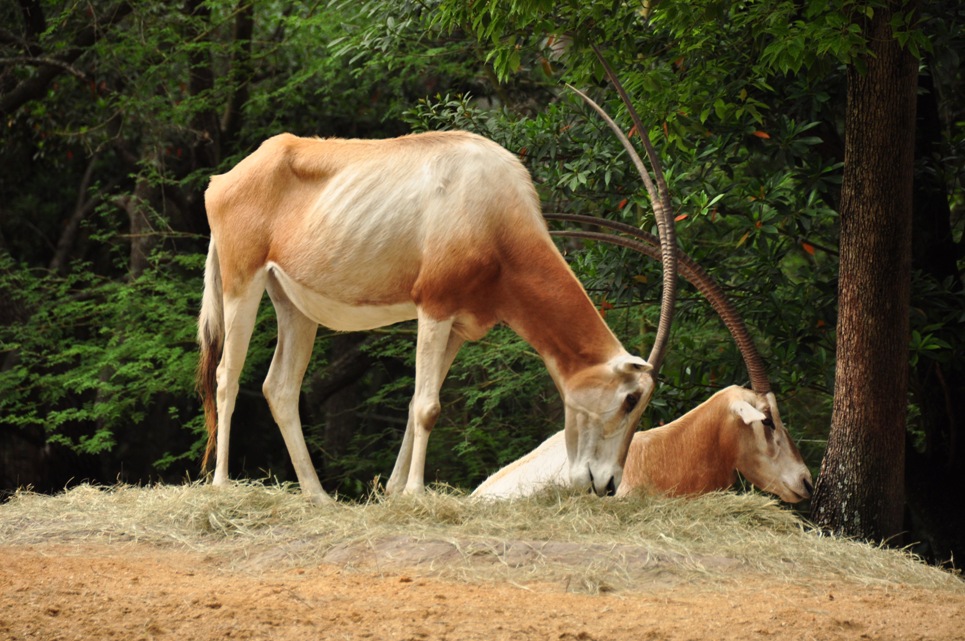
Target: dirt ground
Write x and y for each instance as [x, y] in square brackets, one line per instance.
[136, 592]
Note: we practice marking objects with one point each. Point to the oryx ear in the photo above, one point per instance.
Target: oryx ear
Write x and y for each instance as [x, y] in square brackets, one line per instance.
[630, 366]
[747, 412]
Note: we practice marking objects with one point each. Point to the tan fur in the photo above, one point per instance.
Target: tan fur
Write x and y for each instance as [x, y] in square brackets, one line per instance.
[692, 455]
[486, 269]
[355, 234]
[703, 450]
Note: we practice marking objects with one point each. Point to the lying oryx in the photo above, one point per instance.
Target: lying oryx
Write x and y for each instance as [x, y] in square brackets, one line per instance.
[735, 430]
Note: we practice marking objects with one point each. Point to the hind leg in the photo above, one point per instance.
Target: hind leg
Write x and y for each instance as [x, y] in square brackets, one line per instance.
[240, 311]
[436, 349]
[282, 387]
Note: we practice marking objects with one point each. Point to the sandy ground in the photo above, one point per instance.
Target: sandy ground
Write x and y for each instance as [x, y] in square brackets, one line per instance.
[142, 592]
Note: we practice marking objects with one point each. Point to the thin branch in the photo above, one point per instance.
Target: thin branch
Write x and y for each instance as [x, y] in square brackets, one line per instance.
[34, 87]
[37, 61]
[8, 37]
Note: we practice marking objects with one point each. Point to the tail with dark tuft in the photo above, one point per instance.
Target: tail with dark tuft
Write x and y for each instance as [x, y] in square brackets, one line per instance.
[210, 339]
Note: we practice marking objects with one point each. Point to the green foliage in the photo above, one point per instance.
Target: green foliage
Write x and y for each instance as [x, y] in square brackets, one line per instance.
[742, 102]
[498, 402]
[92, 358]
[937, 320]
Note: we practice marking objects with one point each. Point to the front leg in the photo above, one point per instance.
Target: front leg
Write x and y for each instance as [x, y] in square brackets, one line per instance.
[400, 473]
[436, 348]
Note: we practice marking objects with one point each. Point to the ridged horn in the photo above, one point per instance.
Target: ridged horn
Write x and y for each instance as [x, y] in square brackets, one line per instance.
[690, 270]
[660, 200]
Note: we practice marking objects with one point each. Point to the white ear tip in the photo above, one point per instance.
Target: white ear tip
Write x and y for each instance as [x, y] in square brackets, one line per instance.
[747, 412]
[632, 365]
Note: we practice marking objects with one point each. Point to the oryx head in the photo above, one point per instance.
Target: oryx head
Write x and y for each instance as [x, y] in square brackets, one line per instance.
[768, 457]
[603, 407]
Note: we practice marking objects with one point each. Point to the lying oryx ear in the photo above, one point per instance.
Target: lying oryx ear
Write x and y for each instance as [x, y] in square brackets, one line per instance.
[631, 366]
[747, 412]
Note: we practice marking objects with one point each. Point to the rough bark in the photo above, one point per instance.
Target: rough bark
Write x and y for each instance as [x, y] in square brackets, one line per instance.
[860, 491]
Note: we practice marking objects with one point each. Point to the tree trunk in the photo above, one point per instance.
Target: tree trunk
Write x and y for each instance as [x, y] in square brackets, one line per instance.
[860, 491]
[242, 68]
[68, 236]
[143, 239]
[207, 148]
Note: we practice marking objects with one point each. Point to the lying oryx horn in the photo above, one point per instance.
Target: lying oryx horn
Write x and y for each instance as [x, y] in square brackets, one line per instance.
[690, 270]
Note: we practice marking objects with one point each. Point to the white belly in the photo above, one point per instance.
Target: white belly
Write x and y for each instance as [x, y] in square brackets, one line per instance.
[337, 314]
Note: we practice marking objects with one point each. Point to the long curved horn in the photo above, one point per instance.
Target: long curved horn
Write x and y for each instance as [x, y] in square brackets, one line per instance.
[664, 218]
[660, 200]
[690, 270]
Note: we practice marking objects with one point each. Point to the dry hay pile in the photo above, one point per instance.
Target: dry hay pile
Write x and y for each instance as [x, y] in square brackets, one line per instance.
[590, 544]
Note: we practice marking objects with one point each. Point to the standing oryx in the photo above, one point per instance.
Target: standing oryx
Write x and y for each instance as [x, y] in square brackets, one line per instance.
[440, 227]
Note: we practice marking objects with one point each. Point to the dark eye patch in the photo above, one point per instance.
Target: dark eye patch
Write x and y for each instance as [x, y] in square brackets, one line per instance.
[768, 422]
[631, 402]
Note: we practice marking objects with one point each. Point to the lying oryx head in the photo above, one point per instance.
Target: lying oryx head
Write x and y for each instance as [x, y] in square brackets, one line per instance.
[603, 407]
[767, 455]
